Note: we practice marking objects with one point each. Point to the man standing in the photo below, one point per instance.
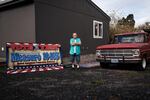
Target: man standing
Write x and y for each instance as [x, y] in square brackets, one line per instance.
[75, 51]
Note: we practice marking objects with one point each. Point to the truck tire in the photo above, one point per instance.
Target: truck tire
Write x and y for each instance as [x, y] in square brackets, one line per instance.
[103, 65]
[143, 64]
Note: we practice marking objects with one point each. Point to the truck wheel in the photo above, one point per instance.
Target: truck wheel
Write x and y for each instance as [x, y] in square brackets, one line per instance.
[103, 65]
[143, 64]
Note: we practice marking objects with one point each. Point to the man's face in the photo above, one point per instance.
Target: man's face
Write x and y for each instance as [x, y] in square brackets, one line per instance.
[74, 35]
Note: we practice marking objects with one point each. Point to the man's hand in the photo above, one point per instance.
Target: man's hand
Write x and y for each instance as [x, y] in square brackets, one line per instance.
[73, 44]
[78, 44]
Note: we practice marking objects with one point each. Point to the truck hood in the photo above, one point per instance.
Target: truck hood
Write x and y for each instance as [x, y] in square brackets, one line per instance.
[122, 46]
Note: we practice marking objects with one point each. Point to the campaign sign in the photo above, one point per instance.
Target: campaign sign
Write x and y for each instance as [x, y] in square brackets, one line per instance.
[31, 55]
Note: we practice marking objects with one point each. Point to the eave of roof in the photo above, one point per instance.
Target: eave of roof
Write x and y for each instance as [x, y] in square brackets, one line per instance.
[10, 2]
[10, 5]
[99, 9]
[4, 1]
[21, 1]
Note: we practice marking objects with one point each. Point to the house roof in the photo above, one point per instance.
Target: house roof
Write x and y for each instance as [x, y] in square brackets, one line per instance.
[99, 9]
[5, 3]
[8, 4]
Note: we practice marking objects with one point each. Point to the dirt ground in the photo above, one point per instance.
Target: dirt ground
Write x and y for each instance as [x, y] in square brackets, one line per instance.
[113, 83]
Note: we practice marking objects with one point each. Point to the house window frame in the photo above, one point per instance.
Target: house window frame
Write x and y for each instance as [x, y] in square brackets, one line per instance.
[99, 35]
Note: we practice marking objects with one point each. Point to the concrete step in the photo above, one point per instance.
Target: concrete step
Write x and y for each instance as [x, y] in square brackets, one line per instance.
[85, 65]
[90, 65]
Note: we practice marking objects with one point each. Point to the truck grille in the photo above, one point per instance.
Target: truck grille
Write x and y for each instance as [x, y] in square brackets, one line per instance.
[117, 52]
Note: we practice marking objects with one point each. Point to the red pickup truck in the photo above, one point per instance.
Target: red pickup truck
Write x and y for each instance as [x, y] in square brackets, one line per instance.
[133, 48]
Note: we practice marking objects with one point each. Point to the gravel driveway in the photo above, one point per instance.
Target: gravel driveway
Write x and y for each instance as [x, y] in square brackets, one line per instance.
[122, 83]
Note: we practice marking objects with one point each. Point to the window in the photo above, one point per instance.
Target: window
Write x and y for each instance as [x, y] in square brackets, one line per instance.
[97, 29]
[134, 38]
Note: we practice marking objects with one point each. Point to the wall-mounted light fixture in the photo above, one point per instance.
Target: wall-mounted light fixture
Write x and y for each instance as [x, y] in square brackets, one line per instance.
[2, 49]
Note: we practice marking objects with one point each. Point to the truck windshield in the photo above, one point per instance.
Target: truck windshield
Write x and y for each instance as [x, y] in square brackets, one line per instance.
[135, 38]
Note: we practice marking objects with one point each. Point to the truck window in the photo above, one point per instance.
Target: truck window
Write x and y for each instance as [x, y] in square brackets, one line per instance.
[134, 38]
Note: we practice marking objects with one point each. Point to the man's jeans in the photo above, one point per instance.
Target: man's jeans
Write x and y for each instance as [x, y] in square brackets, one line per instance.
[74, 58]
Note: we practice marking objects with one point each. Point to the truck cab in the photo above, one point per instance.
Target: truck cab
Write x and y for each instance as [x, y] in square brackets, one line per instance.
[128, 48]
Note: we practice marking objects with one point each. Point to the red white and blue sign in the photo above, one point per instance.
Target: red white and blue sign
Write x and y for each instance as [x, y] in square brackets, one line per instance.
[31, 57]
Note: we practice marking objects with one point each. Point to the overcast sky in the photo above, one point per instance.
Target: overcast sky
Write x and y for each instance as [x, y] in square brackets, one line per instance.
[140, 8]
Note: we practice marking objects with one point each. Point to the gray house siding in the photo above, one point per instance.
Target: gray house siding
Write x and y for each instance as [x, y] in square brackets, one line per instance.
[56, 20]
[17, 25]
[52, 21]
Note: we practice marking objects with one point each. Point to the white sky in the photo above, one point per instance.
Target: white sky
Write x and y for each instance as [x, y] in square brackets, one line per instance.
[140, 8]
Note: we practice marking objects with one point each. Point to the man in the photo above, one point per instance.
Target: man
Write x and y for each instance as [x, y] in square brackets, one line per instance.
[75, 51]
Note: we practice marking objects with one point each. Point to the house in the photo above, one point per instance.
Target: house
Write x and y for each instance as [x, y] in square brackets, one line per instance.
[53, 21]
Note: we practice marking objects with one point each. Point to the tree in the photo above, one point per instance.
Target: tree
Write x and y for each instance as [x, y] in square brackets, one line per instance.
[144, 27]
[115, 16]
[122, 25]
[126, 24]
